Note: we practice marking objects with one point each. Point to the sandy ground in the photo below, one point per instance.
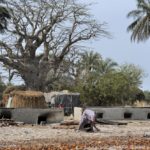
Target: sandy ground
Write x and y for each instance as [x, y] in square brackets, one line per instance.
[139, 131]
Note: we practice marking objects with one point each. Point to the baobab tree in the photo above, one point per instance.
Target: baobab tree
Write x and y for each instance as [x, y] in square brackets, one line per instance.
[43, 35]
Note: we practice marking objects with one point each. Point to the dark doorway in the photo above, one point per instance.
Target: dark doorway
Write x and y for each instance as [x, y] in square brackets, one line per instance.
[127, 115]
[42, 120]
[99, 115]
[5, 114]
[148, 116]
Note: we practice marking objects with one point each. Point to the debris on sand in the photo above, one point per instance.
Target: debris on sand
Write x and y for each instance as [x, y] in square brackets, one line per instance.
[9, 122]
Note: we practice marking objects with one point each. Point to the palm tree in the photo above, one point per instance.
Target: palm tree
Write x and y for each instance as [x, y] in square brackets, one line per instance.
[4, 16]
[107, 65]
[140, 27]
[87, 65]
[90, 61]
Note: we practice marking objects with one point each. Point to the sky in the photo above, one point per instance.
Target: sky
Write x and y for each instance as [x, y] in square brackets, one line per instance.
[120, 48]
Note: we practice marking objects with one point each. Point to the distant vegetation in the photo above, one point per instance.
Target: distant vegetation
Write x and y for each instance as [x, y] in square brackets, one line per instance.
[103, 81]
[42, 45]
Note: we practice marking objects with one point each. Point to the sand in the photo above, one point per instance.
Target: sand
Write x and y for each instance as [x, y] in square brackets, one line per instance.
[12, 135]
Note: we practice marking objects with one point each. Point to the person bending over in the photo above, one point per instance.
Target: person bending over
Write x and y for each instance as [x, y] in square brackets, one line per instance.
[87, 122]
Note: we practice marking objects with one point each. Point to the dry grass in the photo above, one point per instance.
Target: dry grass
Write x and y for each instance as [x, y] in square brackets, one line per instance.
[28, 99]
[28, 93]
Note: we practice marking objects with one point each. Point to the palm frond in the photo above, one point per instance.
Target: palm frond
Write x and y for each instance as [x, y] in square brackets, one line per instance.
[140, 30]
[140, 27]
[135, 13]
[133, 24]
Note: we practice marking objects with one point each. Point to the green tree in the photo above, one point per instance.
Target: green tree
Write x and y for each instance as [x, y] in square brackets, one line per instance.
[116, 87]
[134, 74]
[107, 90]
[107, 65]
[147, 95]
[89, 89]
[140, 26]
[90, 61]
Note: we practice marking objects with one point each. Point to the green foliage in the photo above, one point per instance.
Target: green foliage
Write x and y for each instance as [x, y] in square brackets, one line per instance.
[147, 95]
[90, 61]
[108, 84]
[113, 88]
[134, 74]
[107, 65]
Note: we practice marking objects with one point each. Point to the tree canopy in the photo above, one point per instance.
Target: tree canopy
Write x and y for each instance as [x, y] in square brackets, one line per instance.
[43, 44]
[105, 86]
[41, 35]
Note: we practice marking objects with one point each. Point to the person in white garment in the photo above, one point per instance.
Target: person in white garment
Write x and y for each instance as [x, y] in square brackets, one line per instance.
[87, 122]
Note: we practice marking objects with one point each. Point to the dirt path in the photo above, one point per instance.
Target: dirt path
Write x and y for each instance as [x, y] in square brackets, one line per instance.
[135, 135]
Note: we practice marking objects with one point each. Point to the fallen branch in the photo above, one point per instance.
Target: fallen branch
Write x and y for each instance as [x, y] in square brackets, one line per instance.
[108, 122]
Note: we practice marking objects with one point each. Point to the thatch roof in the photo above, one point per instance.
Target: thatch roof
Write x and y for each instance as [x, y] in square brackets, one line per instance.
[10, 89]
[28, 99]
[27, 93]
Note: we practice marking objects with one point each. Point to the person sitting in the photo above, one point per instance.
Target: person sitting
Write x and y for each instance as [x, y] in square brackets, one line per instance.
[87, 122]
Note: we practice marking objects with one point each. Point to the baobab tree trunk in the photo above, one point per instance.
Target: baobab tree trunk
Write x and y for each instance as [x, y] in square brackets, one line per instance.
[34, 76]
[32, 82]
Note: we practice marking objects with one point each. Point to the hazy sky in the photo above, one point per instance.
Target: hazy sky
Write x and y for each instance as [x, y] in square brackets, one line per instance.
[120, 48]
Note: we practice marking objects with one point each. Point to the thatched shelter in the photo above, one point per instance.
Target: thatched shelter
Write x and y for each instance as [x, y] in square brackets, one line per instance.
[7, 92]
[28, 99]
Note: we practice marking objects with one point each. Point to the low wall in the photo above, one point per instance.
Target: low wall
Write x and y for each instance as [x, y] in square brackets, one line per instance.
[119, 113]
[33, 116]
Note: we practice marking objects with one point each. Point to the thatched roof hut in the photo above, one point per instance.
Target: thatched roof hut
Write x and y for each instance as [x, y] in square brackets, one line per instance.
[9, 90]
[28, 99]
